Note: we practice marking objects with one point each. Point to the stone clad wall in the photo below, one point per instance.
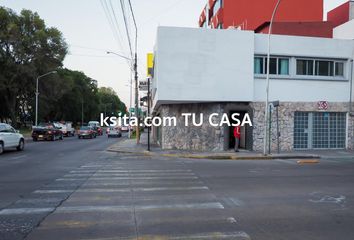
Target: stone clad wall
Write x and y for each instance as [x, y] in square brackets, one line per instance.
[286, 123]
[209, 138]
[204, 138]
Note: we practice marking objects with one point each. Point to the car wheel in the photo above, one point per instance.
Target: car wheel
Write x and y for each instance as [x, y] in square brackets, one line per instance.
[35, 139]
[53, 138]
[1, 148]
[78, 137]
[61, 137]
[21, 145]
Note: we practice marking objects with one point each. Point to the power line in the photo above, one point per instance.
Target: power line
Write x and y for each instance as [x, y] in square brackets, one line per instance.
[115, 20]
[92, 49]
[136, 27]
[126, 27]
[111, 23]
[88, 55]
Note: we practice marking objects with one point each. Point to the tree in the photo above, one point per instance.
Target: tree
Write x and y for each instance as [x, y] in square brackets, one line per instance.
[27, 49]
[110, 104]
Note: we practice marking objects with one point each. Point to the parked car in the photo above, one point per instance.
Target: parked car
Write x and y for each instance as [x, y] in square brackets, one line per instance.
[47, 131]
[10, 138]
[114, 132]
[66, 128]
[86, 132]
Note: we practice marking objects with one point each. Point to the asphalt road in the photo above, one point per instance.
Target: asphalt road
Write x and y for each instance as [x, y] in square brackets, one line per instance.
[76, 190]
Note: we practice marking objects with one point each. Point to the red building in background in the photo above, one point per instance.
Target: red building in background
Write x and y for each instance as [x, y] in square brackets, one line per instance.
[341, 14]
[294, 17]
[251, 14]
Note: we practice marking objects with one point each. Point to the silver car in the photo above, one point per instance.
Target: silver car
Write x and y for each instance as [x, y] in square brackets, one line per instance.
[114, 132]
[10, 138]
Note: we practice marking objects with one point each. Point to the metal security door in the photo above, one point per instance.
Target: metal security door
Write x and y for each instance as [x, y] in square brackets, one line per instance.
[319, 130]
[301, 130]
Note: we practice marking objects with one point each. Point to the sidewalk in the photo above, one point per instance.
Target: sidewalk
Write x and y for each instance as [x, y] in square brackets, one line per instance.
[130, 146]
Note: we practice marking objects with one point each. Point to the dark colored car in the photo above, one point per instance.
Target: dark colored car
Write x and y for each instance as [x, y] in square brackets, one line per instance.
[86, 132]
[46, 131]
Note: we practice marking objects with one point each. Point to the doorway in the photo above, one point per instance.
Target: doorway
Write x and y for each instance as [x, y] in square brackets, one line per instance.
[244, 132]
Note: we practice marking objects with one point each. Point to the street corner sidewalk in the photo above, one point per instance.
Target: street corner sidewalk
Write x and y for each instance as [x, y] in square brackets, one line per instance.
[131, 146]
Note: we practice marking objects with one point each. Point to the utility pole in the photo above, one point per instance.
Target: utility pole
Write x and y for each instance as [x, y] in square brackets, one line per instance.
[148, 113]
[137, 98]
[37, 93]
[82, 112]
[266, 108]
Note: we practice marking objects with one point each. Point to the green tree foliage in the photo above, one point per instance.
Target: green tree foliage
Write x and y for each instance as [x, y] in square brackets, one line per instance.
[110, 104]
[29, 49]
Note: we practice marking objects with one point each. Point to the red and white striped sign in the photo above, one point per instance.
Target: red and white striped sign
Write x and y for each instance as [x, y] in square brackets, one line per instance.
[322, 105]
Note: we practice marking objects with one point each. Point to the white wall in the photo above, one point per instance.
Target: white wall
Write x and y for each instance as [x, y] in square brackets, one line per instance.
[204, 65]
[344, 31]
[197, 65]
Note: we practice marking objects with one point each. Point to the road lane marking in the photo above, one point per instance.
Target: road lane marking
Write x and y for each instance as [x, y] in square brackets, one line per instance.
[99, 190]
[19, 157]
[76, 209]
[128, 184]
[240, 235]
[39, 200]
[310, 161]
[83, 209]
[149, 171]
[53, 191]
[83, 171]
[127, 178]
[23, 211]
[169, 189]
[126, 174]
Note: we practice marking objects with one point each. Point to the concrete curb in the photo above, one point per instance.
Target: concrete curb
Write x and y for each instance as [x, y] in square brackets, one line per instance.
[215, 157]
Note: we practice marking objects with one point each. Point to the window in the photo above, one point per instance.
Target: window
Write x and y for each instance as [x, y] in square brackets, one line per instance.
[304, 67]
[339, 72]
[217, 6]
[259, 65]
[283, 66]
[326, 68]
[277, 66]
[3, 129]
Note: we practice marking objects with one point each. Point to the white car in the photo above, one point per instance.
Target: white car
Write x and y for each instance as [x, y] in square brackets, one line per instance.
[114, 132]
[10, 138]
[66, 128]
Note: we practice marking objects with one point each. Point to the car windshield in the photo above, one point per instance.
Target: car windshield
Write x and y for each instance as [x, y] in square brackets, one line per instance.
[85, 128]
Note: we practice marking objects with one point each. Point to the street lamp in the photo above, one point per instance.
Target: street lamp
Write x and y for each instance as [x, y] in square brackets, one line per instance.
[130, 85]
[37, 93]
[266, 111]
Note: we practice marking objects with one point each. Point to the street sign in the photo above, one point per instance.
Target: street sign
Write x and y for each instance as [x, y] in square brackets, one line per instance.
[132, 110]
[143, 85]
[322, 105]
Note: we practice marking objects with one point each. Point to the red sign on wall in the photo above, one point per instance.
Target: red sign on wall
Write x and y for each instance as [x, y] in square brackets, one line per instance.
[322, 105]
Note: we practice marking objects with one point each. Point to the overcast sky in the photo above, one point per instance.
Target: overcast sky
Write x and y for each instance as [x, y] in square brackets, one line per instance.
[88, 32]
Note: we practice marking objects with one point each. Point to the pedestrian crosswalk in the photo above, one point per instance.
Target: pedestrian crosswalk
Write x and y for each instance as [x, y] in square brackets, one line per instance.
[134, 198]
